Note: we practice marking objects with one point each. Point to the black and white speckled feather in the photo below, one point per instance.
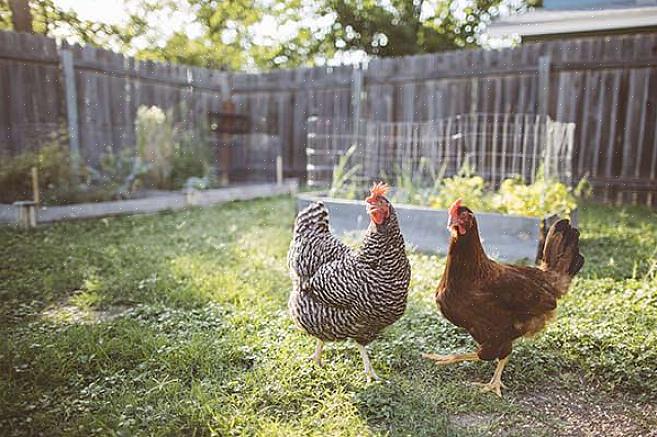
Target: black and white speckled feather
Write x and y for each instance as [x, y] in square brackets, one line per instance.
[339, 293]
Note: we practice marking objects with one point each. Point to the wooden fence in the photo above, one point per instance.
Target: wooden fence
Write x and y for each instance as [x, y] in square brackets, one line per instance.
[607, 86]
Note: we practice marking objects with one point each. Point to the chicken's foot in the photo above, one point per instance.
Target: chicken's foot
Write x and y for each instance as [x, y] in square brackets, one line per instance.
[451, 359]
[369, 370]
[495, 385]
[317, 356]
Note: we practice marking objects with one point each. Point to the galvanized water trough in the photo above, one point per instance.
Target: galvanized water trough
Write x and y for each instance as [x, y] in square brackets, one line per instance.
[505, 237]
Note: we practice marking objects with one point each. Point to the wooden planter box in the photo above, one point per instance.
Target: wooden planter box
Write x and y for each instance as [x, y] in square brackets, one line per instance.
[165, 201]
[505, 237]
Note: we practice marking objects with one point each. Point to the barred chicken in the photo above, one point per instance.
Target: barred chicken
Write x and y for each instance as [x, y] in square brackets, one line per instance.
[498, 303]
[339, 293]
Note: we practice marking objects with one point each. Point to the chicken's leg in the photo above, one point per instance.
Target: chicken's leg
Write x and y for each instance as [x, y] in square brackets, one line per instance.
[451, 359]
[495, 385]
[317, 356]
[369, 371]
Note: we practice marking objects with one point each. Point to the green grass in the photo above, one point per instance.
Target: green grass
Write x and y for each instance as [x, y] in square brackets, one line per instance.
[177, 324]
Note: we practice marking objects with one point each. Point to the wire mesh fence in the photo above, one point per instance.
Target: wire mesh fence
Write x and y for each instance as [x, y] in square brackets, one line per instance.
[495, 146]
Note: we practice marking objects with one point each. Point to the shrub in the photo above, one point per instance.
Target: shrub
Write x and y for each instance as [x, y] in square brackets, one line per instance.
[119, 175]
[468, 188]
[155, 145]
[342, 184]
[191, 162]
[172, 157]
[409, 190]
[163, 159]
[543, 197]
[55, 173]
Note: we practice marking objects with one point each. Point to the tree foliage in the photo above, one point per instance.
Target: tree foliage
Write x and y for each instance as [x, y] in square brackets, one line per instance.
[225, 38]
[267, 34]
[406, 27]
[384, 28]
[51, 20]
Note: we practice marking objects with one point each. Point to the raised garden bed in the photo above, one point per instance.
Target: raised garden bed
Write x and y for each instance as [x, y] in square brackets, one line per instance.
[505, 237]
[160, 201]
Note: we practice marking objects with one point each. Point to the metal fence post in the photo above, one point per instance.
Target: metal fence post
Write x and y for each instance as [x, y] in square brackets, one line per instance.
[543, 110]
[66, 58]
[544, 85]
[311, 132]
[569, 152]
[356, 95]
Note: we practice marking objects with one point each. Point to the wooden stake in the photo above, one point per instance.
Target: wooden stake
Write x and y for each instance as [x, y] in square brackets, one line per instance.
[35, 186]
[279, 170]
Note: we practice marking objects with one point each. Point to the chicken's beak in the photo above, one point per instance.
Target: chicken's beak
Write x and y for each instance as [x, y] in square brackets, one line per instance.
[454, 227]
[376, 214]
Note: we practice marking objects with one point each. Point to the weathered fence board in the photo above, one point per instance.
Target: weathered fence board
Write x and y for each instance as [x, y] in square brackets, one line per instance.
[607, 86]
[31, 97]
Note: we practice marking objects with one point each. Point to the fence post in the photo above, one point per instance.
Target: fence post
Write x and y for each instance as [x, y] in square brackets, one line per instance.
[570, 145]
[279, 169]
[544, 85]
[66, 58]
[543, 111]
[311, 132]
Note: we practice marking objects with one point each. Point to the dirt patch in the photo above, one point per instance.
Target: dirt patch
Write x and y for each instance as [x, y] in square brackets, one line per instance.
[565, 411]
[585, 412]
[472, 420]
[66, 311]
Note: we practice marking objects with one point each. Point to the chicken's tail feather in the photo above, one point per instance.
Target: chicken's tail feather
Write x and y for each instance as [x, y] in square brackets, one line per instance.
[561, 253]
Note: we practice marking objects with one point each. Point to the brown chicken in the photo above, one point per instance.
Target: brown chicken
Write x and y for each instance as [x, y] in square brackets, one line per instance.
[498, 303]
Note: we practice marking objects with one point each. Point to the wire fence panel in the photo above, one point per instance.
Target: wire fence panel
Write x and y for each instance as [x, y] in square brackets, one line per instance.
[495, 146]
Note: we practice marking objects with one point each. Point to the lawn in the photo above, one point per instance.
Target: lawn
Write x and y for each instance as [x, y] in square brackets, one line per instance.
[177, 324]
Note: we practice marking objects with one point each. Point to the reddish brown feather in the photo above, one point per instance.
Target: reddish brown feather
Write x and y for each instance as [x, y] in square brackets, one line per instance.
[452, 211]
[497, 303]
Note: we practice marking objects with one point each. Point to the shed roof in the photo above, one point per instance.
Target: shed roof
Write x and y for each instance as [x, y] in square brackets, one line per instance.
[550, 22]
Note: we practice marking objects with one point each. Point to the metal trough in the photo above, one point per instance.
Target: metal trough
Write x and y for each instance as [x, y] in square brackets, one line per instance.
[505, 237]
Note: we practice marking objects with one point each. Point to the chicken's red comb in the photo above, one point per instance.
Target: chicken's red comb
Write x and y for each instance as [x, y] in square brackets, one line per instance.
[454, 208]
[379, 189]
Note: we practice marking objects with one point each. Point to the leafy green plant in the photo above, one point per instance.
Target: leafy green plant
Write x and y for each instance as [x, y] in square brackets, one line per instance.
[541, 198]
[406, 190]
[410, 186]
[464, 185]
[155, 144]
[173, 157]
[435, 176]
[469, 189]
[191, 162]
[116, 176]
[584, 189]
[342, 184]
[119, 174]
[54, 168]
